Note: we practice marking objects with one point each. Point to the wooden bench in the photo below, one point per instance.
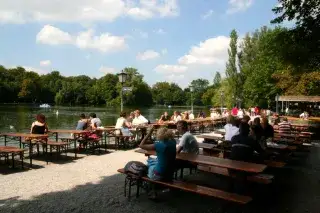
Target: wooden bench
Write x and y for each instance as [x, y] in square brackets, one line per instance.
[189, 187]
[258, 178]
[10, 150]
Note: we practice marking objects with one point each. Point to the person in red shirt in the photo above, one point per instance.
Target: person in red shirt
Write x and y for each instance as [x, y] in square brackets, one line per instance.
[235, 111]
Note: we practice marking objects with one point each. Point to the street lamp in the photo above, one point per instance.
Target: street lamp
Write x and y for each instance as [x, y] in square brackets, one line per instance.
[221, 96]
[191, 90]
[277, 99]
[122, 79]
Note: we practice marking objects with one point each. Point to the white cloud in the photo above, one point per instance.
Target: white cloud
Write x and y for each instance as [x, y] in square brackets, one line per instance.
[160, 31]
[211, 51]
[238, 6]
[171, 69]
[147, 55]
[107, 70]
[207, 15]
[45, 63]
[37, 70]
[53, 36]
[104, 42]
[140, 33]
[18, 11]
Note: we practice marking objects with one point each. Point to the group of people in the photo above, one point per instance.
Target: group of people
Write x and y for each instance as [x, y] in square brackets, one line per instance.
[246, 136]
[177, 116]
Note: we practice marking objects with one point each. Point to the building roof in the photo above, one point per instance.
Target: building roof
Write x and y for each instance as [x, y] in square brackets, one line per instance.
[300, 98]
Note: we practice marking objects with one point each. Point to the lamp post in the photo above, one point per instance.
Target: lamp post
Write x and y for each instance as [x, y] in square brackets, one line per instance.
[221, 96]
[277, 99]
[191, 90]
[122, 79]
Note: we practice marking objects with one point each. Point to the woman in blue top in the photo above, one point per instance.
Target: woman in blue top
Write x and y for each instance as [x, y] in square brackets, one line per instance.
[162, 167]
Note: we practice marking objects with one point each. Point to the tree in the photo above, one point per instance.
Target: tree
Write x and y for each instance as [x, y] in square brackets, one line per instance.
[231, 66]
[217, 79]
[199, 88]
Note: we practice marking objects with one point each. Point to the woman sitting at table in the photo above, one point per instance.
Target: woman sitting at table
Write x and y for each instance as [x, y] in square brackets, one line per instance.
[165, 117]
[185, 115]
[162, 167]
[82, 123]
[39, 126]
[123, 125]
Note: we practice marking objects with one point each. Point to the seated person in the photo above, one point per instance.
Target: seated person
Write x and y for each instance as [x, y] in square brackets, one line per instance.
[230, 128]
[94, 121]
[176, 116]
[284, 126]
[123, 125]
[165, 117]
[268, 131]
[243, 145]
[188, 143]
[276, 119]
[185, 115]
[82, 123]
[246, 119]
[201, 114]
[256, 132]
[40, 125]
[162, 167]
[139, 119]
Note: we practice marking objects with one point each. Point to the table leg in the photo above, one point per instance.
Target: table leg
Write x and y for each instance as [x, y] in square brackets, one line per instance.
[12, 160]
[30, 153]
[5, 141]
[57, 137]
[20, 142]
[47, 151]
[75, 146]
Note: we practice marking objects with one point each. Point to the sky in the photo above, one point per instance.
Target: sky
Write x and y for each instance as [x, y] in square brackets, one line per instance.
[166, 40]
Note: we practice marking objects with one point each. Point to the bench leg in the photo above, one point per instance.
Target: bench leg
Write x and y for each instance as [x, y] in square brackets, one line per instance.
[125, 186]
[138, 188]
[21, 157]
[12, 155]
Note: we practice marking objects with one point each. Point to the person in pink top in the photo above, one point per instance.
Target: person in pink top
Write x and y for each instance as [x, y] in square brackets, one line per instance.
[235, 111]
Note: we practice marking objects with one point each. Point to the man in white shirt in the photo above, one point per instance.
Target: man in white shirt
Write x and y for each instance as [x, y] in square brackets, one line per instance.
[139, 119]
[176, 116]
[191, 115]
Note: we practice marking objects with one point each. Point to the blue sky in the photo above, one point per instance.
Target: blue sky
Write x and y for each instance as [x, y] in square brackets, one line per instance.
[166, 40]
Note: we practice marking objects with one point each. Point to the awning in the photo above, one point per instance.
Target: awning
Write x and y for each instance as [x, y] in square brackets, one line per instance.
[301, 98]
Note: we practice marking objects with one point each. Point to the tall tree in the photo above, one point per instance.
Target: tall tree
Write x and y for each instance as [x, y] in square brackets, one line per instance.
[231, 66]
[217, 79]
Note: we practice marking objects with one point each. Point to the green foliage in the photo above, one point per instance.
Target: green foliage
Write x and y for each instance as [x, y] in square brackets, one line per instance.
[168, 94]
[200, 86]
[217, 79]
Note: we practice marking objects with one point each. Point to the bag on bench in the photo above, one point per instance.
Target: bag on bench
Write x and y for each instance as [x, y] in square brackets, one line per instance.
[136, 168]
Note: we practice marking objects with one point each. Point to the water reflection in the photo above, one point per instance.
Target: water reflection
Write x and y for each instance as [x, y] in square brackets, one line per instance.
[21, 116]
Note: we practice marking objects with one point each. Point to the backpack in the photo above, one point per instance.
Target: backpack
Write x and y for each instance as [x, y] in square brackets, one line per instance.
[136, 168]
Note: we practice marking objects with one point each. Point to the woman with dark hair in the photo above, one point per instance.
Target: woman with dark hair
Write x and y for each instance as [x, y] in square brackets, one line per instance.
[82, 123]
[39, 126]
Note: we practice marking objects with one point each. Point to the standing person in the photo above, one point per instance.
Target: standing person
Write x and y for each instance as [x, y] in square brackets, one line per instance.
[94, 121]
[188, 143]
[39, 126]
[82, 123]
[234, 111]
[139, 119]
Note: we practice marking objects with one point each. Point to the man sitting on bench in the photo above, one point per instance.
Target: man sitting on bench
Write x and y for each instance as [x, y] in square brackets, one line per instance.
[187, 144]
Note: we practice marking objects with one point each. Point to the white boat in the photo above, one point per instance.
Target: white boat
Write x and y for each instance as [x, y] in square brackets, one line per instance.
[44, 106]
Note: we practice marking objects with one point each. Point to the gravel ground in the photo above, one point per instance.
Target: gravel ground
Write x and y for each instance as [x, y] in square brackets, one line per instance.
[91, 184]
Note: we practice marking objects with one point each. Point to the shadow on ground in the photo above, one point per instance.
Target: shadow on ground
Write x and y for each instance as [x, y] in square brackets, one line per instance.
[296, 190]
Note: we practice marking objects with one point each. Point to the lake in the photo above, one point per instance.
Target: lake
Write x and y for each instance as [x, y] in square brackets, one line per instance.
[20, 117]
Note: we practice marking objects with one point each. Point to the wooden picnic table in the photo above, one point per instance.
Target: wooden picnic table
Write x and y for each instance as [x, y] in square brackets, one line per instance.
[76, 134]
[214, 161]
[220, 132]
[211, 137]
[24, 135]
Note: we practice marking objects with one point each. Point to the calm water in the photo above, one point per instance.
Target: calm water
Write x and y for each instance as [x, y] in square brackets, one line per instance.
[20, 117]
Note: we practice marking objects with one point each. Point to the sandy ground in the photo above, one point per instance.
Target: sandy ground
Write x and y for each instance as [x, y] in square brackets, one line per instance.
[91, 184]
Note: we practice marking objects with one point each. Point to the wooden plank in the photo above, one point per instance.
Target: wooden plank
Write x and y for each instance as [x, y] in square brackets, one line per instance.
[214, 161]
[260, 178]
[210, 137]
[25, 135]
[201, 190]
[71, 131]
